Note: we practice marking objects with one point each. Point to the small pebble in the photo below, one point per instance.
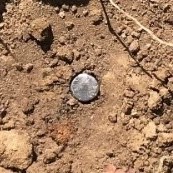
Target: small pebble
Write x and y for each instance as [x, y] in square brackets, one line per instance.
[28, 67]
[69, 25]
[77, 54]
[135, 34]
[134, 47]
[96, 17]
[129, 39]
[57, 9]
[129, 93]
[112, 118]
[2, 25]
[54, 62]
[66, 55]
[65, 7]
[72, 102]
[74, 9]
[62, 15]
[18, 66]
[98, 51]
[85, 13]
[62, 40]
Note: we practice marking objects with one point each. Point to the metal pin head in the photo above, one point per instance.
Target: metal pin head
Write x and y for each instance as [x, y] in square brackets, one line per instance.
[84, 87]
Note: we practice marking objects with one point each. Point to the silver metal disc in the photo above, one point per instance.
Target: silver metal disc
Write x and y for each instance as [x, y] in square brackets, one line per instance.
[84, 87]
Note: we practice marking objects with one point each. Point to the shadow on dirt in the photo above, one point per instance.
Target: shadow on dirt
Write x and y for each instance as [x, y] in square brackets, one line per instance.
[67, 2]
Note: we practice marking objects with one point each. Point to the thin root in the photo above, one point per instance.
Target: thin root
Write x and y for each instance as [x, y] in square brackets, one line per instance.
[154, 37]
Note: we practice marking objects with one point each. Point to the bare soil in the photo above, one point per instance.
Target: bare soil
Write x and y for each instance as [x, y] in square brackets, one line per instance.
[128, 128]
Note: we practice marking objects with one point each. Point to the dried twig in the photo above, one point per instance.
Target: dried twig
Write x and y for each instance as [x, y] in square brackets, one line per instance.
[113, 32]
[154, 37]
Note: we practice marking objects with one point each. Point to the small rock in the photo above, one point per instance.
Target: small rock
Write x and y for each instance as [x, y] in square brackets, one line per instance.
[57, 9]
[64, 73]
[155, 84]
[2, 25]
[110, 169]
[165, 139]
[65, 54]
[128, 107]
[96, 17]
[19, 66]
[72, 102]
[112, 118]
[129, 39]
[85, 13]
[62, 14]
[39, 28]
[9, 125]
[161, 128]
[154, 100]
[137, 142]
[27, 106]
[166, 7]
[77, 54]
[135, 34]
[164, 93]
[54, 62]
[28, 67]
[102, 36]
[62, 40]
[69, 25]
[46, 72]
[134, 7]
[65, 7]
[15, 149]
[3, 72]
[110, 154]
[163, 74]
[49, 156]
[98, 51]
[3, 109]
[129, 93]
[120, 30]
[150, 131]
[134, 47]
[74, 9]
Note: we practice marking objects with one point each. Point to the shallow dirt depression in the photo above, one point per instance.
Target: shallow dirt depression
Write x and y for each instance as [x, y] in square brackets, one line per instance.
[44, 45]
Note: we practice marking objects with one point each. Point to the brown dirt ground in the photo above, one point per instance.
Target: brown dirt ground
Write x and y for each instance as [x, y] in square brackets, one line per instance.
[43, 45]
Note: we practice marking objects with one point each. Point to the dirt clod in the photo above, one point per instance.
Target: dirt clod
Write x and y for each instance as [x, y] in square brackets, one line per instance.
[65, 54]
[96, 16]
[154, 100]
[38, 26]
[16, 149]
[27, 106]
[165, 139]
[150, 131]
